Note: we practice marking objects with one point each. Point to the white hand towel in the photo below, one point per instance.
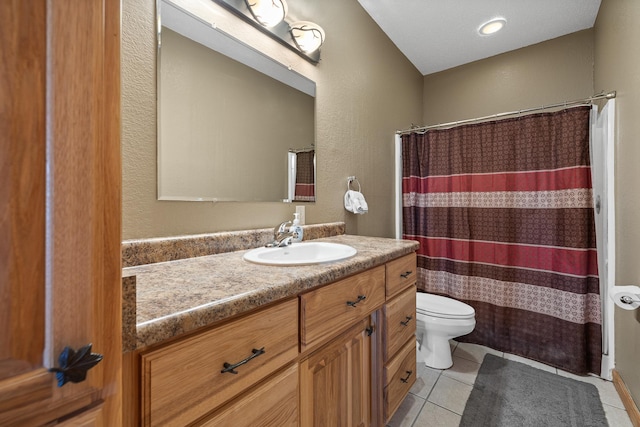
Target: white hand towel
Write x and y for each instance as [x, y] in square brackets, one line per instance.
[354, 202]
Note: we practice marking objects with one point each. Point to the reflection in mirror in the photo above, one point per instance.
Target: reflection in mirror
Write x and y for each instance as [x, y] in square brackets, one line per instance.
[226, 131]
[302, 175]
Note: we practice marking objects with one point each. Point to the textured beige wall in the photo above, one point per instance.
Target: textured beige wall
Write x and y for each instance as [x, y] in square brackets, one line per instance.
[617, 60]
[366, 89]
[554, 71]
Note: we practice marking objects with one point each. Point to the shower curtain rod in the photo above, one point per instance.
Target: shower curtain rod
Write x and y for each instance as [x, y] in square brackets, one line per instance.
[423, 129]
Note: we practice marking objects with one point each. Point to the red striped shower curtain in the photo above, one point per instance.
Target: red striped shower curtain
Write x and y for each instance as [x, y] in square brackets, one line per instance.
[503, 213]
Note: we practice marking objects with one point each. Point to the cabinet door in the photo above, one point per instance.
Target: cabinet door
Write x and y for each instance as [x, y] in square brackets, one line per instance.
[335, 381]
[59, 207]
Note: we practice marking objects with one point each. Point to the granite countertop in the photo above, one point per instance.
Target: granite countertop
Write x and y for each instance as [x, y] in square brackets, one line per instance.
[176, 297]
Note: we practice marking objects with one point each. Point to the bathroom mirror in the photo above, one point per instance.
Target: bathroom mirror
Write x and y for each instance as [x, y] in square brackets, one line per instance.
[230, 119]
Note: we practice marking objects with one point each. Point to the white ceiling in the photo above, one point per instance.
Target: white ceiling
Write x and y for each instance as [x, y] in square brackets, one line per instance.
[439, 34]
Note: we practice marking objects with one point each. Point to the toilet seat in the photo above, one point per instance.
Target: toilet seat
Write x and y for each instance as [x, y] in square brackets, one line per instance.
[439, 306]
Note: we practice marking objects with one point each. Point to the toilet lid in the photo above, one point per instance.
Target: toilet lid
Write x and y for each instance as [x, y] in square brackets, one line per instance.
[439, 306]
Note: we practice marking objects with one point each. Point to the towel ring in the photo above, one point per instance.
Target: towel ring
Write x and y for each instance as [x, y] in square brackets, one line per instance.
[352, 179]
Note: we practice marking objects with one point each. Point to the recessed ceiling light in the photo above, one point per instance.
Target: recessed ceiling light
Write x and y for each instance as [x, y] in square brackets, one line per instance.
[492, 26]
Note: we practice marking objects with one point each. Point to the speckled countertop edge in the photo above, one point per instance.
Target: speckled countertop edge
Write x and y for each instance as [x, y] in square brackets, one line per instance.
[177, 297]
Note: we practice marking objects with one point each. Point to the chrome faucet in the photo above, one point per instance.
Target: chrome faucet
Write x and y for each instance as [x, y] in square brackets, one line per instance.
[282, 236]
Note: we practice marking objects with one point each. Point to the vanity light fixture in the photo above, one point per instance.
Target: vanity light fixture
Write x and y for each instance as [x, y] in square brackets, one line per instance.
[307, 36]
[269, 17]
[268, 13]
[492, 27]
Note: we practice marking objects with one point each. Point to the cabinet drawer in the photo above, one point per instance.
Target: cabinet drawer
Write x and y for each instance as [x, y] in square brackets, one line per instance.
[401, 273]
[184, 381]
[399, 321]
[400, 375]
[272, 403]
[329, 310]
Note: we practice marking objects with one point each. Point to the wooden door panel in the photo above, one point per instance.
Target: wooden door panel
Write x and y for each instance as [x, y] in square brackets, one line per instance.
[59, 204]
[22, 195]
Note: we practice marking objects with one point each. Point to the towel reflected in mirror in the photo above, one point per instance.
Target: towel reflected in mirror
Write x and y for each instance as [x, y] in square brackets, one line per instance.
[302, 169]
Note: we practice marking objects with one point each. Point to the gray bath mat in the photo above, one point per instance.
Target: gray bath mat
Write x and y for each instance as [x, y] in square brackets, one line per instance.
[508, 394]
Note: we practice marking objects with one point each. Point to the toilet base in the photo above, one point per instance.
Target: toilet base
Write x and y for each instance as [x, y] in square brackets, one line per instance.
[435, 353]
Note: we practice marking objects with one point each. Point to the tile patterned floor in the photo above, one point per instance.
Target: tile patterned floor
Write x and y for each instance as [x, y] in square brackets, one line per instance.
[438, 397]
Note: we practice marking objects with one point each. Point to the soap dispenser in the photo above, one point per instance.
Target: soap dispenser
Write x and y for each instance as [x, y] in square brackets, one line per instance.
[296, 228]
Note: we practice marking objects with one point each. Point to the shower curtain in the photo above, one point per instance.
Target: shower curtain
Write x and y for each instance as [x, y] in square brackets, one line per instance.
[305, 189]
[504, 215]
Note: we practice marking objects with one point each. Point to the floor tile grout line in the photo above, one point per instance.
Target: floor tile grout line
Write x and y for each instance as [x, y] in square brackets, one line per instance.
[418, 414]
[426, 399]
[612, 406]
[446, 409]
[433, 388]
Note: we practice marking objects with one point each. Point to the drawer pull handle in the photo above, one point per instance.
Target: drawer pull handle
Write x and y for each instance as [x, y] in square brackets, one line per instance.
[369, 330]
[231, 368]
[405, 380]
[406, 274]
[353, 303]
[406, 322]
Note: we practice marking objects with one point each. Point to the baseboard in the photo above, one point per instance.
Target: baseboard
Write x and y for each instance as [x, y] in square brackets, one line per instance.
[627, 400]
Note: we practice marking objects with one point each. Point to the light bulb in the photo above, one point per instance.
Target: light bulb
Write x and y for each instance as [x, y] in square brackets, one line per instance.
[268, 13]
[307, 36]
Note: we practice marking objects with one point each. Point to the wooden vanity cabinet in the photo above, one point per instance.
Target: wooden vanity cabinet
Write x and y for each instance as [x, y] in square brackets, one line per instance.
[342, 354]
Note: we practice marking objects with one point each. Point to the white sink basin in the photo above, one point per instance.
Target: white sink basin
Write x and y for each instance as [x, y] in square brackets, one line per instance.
[304, 253]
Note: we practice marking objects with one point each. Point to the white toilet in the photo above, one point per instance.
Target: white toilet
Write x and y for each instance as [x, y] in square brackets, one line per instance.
[438, 320]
